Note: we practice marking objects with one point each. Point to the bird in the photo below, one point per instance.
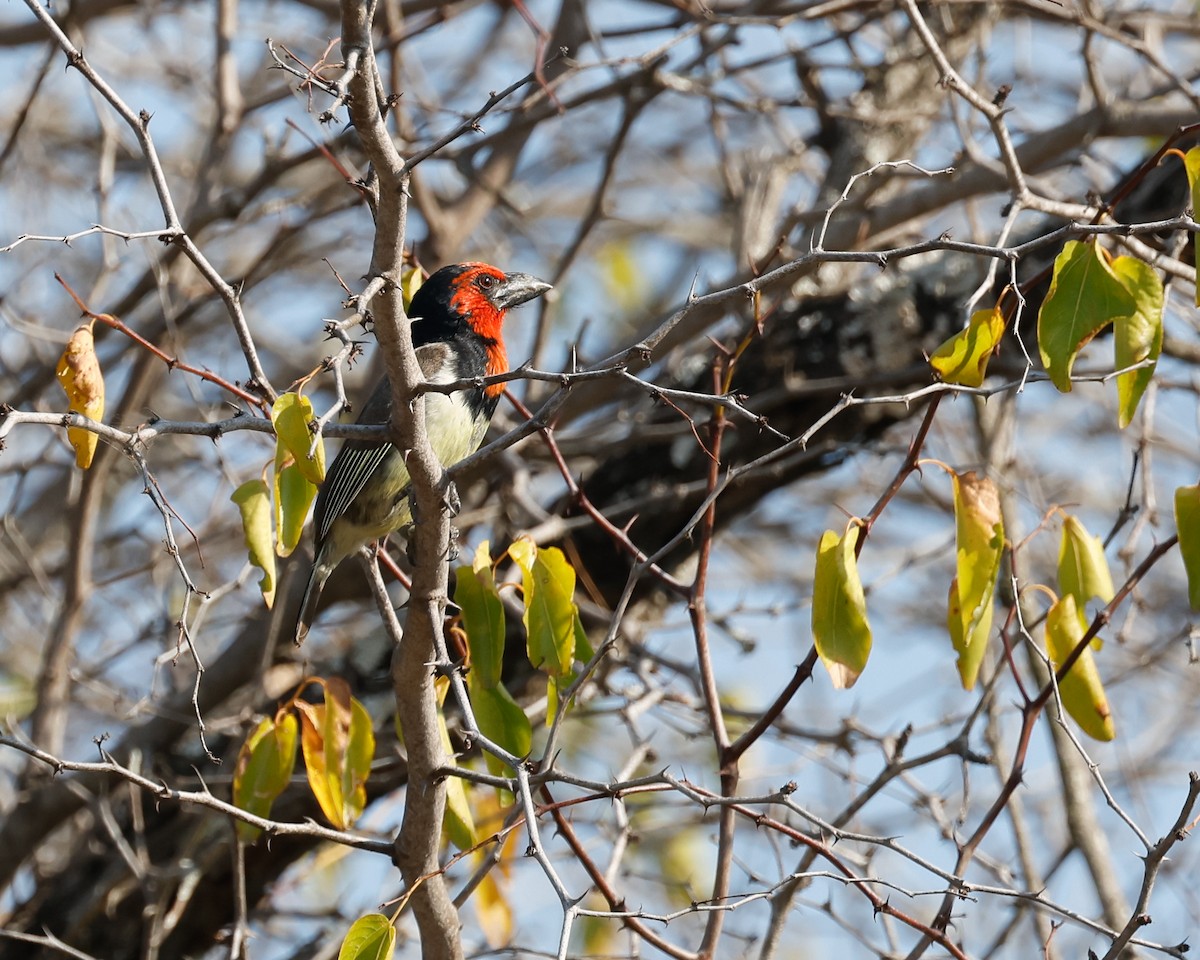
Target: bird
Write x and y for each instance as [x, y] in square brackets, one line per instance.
[457, 320]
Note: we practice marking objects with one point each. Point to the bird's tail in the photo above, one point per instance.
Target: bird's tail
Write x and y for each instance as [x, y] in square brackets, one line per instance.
[312, 593]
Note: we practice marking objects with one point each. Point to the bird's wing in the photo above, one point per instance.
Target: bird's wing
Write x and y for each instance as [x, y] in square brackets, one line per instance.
[359, 459]
[348, 474]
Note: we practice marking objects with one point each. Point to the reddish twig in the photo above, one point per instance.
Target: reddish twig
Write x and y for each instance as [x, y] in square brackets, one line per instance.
[619, 536]
[172, 363]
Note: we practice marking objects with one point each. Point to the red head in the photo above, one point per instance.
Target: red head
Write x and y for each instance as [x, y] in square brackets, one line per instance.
[472, 299]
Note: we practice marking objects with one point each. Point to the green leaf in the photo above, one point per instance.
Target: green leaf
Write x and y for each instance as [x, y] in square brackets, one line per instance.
[371, 937]
[963, 358]
[501, 720]
[1081, 690]
[1191, 163]
[1187, 525]
[548, 583]
[1085, 297]
[264, 768]
[483, 617]
[979, 547]
[291, 415]
[583, 649]
[1083, 569]
[359, 754]
[1137, 336]
[294, 494]
[839, 612]
[254, 501]
[553, 692]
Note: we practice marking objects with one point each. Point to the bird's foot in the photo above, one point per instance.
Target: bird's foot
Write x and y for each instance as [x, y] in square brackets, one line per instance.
[452, 499]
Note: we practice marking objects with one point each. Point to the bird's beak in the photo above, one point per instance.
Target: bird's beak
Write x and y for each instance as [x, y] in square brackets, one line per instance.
[518, 288]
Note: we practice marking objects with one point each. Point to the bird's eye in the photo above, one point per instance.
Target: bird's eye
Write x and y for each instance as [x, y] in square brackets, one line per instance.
[486, 281]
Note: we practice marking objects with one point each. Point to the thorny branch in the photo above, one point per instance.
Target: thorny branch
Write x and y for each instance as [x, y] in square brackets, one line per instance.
[690, 727]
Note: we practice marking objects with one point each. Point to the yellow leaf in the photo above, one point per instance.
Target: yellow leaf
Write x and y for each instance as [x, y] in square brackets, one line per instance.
[325, 788]
[410, 282]
[18, 696]
[1081, 690]
[839, 612]
[964, 357]
[291, 415]
[493, 911]
[523, 552]
[459, 823]
[1187, 525]
[1137, 336]
[482, 560]
[338, 744]
[970, 649]
[371, 937]
[598, 935]
[254, 502]
[621, 271]
[979, 547]
[1083, 569]
[80, 376]
[684, 863]
[1085, 297]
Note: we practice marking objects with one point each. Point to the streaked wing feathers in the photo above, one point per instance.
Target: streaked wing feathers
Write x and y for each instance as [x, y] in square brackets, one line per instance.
[358, 460]
[351, 470]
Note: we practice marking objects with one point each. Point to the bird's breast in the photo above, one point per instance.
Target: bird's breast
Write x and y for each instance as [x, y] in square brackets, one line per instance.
[454, 425]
